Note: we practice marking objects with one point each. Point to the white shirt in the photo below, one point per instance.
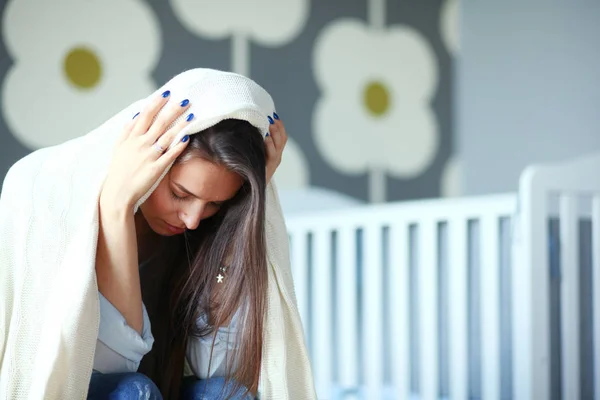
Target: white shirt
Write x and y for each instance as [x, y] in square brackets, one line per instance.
[120, 348]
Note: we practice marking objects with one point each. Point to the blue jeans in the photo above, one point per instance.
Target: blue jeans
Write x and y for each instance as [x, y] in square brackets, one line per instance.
[133, 386]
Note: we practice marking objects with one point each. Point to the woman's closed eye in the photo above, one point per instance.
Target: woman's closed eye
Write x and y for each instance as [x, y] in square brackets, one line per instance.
[177, 197]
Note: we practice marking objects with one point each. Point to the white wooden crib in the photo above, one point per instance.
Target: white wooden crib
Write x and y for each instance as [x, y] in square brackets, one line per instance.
[475, 297]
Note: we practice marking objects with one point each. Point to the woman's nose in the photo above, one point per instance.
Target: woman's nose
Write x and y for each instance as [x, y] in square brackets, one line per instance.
[192, 217]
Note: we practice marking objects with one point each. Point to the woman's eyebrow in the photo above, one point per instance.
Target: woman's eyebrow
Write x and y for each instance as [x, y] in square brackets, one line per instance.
[184, 189]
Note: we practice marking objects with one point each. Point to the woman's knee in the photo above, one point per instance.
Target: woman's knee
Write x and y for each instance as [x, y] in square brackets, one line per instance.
[139, 386]
[216, 388]
[123, 386]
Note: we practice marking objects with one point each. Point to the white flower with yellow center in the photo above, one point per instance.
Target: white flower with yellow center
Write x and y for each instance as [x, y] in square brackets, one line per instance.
[374, 114]
[75, 63]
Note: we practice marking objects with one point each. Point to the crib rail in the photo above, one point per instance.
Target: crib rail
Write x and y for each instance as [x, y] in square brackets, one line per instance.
[569, 195]
[385, 296]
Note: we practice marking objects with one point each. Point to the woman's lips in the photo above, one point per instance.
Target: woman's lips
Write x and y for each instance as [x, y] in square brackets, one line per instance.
[174, 229]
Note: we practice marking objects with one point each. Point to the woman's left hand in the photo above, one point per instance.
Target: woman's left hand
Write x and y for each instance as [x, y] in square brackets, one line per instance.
[275, 143]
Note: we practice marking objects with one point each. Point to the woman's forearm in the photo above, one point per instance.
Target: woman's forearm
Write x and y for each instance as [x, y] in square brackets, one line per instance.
[117, 263]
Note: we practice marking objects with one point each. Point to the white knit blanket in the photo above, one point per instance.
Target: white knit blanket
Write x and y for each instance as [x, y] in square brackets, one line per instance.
[48, 233]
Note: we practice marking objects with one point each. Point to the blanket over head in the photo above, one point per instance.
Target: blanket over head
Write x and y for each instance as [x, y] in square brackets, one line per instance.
[49, 311]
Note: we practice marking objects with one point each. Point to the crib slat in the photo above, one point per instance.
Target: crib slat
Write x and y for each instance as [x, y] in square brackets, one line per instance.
[398, 288]
[569, 272]
[490, 310]
[321, 311]
[596, 290]
[531, 296]
[428, 313]
[299, 254]
[373, 310]
[457, 313]
[347, 340]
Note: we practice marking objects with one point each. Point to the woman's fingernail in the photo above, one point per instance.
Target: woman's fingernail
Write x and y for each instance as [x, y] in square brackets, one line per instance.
[267, 134]
[271, 120]
[185, 138]
[166, 93]
[190, 117]
[275, 115]
[135, 115]
[185, 103]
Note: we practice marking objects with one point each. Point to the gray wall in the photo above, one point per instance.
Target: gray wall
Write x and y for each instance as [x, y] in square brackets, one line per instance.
[528, 87]
[286, 68]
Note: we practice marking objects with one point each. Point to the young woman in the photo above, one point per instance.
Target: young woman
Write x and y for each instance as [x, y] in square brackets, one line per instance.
[195, 293]
[199, 241]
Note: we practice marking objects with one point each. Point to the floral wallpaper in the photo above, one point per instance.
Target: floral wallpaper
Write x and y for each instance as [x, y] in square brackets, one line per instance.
[364, 87]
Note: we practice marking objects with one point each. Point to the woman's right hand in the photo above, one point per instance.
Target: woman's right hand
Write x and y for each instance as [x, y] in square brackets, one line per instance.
[140, 156]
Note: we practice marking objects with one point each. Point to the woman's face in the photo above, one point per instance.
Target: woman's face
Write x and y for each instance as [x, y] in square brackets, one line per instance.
[190, 192]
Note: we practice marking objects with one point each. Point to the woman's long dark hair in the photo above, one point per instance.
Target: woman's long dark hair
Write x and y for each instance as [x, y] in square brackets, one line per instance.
[186, 287]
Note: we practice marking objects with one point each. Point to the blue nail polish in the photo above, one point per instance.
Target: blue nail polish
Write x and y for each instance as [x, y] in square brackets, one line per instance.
[135, 115]
[185, 138]
[271, 120]
[267, 134]
[185, 103]
[275, 115]
[166, 94]
[190, 117]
